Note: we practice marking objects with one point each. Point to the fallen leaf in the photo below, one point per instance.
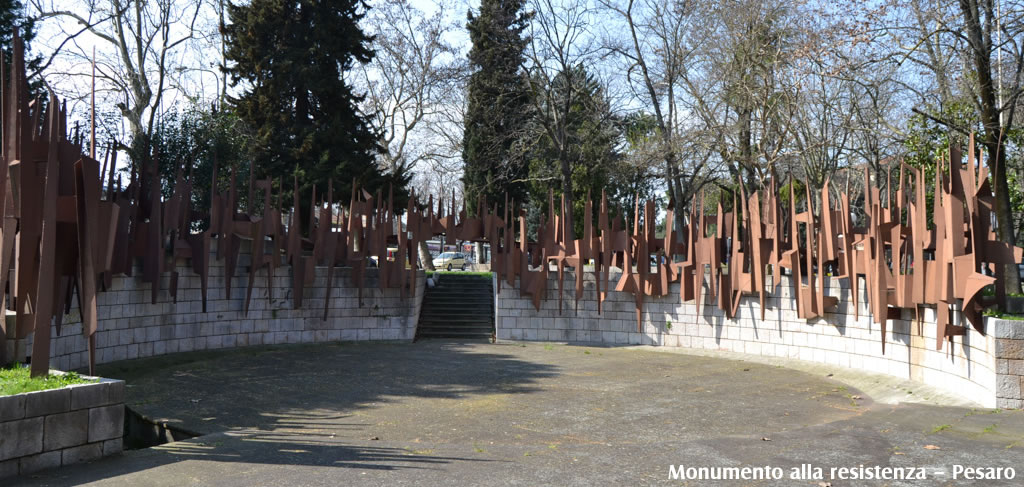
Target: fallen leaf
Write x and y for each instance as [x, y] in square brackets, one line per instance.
[898, 453]
[932, 447]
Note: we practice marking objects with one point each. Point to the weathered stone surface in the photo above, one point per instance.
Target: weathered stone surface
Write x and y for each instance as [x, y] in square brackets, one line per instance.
[113, 447]
[12, 407]
[83, 453]
[1010, 349]
[65, 430]
[42, 403]
[1008, 386]
[35, 463]
[8, 468]
[115, 391]
[21, 437]
[106, 423]
[85, 396]
[1006, 328]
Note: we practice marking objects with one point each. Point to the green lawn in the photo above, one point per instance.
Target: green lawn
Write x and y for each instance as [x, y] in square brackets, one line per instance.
[15, 380]
[467, 273]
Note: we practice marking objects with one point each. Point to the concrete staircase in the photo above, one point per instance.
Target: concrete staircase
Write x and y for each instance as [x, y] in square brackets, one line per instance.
[458, 306]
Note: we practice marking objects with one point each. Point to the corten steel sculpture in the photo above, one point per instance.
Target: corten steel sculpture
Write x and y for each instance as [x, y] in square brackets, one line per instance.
[50, 193]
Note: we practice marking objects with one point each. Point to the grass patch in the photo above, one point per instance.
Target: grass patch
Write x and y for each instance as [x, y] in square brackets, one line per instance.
[16, 380]
[942, 427]
[995, 313]
[465, 273]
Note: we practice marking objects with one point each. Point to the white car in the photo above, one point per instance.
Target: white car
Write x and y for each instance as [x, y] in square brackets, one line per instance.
[449, 261]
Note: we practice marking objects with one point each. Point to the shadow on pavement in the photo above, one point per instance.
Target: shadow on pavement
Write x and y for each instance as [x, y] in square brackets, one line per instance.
[298, 404]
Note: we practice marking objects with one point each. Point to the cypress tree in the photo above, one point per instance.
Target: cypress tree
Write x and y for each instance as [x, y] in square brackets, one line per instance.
[499, 108]
[292, 55]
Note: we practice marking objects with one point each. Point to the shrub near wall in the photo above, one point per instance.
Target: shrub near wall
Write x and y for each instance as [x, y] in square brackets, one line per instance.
[984, 368]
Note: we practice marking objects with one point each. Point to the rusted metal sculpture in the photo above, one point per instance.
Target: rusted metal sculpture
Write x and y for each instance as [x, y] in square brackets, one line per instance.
[50, 193]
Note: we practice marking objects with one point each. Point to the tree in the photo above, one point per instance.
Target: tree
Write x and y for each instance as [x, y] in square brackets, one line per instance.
[498, 106]
[962, 50]
[658, 48]
[581, 156]
[145, 40]
[564, 94]
[291, 56]
[414, 86]
[12, 18]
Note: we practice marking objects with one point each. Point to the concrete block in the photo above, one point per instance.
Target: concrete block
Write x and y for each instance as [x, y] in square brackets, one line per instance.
[42, 403]
[42, 461]
[12, 407]
[65, 430]
[1013, 367]
[1009, 348]
[84, 453]
[8, 468]
[112, 447]
[1005, 328]
[85, 396]
[106, 423]
[1006, 403]
[1008, 386]
[20, 438]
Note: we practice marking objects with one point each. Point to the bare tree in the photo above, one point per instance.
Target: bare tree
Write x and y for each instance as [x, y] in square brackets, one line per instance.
[140, 51]
[413, 91]
[561, 46]
[657, 47]
[963, 50]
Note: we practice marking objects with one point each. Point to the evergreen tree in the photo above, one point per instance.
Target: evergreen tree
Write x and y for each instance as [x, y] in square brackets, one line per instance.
[12, 16]
[291, 55]
[499, 107]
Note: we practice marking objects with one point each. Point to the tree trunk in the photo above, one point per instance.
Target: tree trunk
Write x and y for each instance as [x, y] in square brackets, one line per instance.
[424, 253]
[981, 49]
[1004, 216]
[478, 248]
[567, 194]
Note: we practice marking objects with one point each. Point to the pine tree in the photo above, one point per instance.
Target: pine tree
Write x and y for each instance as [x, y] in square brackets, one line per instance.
[292, 55]
[499, 106]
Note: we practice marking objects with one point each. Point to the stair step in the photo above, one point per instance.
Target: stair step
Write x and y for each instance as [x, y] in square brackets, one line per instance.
[459, 307]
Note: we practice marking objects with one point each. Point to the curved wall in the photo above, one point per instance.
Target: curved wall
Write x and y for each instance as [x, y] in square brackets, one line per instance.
[984, 368]
[131, 327]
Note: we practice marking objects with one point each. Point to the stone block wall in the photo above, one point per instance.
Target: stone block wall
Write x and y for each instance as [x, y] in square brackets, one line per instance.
[57, 427]
[983, 367]
[130, 326]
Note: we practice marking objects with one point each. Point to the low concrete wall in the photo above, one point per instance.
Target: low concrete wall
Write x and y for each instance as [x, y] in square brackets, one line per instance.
[57, 427]
[984, 368]
[130, 326]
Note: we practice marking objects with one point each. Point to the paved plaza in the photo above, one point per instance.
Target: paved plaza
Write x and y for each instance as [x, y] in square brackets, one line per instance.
[446, 413]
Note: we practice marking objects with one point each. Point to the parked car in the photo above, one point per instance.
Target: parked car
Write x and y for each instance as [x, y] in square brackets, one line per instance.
[450, 260]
